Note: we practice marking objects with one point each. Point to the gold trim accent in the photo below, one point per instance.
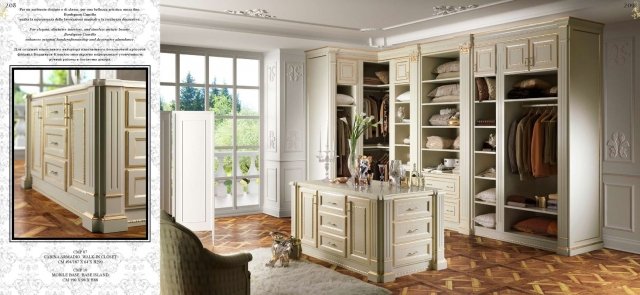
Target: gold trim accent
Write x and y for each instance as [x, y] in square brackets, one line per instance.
[465, 47]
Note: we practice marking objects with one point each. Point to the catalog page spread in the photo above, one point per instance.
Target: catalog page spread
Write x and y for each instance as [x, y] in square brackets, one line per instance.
[78, 188]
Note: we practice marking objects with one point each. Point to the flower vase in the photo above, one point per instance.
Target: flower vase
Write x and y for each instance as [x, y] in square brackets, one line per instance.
[352, 164]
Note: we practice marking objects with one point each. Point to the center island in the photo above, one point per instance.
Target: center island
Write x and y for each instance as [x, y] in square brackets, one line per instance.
[382, 231]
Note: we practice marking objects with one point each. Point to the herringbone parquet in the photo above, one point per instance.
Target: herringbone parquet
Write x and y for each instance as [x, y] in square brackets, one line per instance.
[36, 216]
[476, 265]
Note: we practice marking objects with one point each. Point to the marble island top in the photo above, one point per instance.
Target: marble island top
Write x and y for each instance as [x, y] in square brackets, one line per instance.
[377, 190]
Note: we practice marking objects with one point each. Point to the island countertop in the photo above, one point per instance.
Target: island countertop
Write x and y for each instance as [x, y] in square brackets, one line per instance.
[378, 190]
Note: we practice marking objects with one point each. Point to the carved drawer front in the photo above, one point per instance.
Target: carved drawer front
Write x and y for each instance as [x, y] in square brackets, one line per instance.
[55, 141]
[411, 230]
[409, 253]
[54, 111]
[411, 208]
[442, 185]
[55, 172]
[136, 108]
[332, 203]
[334, 224]
[136, 148]
[333, 244]
[136, 187]
[451, 210]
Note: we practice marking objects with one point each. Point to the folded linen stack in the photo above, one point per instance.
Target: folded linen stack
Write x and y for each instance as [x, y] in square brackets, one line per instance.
[552, 202]
[520, 201]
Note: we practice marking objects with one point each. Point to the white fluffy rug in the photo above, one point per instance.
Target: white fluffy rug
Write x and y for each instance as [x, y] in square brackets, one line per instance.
[302, 277]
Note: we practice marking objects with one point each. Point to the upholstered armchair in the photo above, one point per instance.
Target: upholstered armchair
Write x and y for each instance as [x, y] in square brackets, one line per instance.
[186, 267]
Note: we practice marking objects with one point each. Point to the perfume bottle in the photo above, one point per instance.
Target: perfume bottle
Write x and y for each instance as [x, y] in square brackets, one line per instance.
[415, 180]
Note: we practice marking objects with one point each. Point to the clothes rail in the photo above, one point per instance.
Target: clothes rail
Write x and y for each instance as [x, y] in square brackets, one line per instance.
[540, 105]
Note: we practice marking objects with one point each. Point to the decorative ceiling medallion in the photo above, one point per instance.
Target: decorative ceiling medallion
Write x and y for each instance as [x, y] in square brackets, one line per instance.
[447, 9]
[258, 12]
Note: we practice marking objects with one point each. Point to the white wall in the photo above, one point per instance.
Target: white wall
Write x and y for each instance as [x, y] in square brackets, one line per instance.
[621, 173]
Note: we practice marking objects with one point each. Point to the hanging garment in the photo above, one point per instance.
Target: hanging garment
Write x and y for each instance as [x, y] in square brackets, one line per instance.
[520, 144]
[511, 147]
[384, 115]
[551, 139]
[538, 167]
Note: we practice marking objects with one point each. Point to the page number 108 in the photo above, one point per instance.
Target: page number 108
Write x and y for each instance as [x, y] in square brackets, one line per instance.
[10, 5]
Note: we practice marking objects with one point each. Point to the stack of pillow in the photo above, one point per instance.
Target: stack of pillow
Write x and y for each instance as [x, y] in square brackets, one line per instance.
[485, 89]
[487, 220]
[488, 195]
[532, 88]
[448, 70]
[445, 93]
[343, 99]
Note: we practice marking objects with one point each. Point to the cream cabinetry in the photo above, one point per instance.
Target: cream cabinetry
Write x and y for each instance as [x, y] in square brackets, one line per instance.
[359, 229]
[76, 152]
[382, 232]
[347, 72]
[448, 185]
[402, 71]
[35, 138]
[529, 54]
[484, 60]
[412, 230]
[566, 53]
[309, 226]
[333, 71]
[187, 154]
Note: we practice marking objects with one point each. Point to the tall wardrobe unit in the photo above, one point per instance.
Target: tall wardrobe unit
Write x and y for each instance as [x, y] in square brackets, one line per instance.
[565, 53]
[87, 151]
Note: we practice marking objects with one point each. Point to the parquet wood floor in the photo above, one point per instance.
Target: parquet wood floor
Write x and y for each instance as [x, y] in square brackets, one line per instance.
[36, 216]
[476, 265]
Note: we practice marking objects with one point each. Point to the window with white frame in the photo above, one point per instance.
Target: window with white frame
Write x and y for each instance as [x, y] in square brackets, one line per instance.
[227, 83]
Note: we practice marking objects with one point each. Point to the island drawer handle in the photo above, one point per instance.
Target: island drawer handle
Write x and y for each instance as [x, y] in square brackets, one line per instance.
[412, 253]
[53, 172]
[332, 224]
[53, 142]
[412, 209]
[332, 244]
[54, 112]
[412, 231]
[333, 203]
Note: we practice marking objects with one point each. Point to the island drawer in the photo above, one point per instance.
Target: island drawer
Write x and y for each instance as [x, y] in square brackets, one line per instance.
[411, 208]
[332, 203]
[414, 252]
[332, 223]
[55, 141]
[334, 244]
[445, 185]
[411, 230]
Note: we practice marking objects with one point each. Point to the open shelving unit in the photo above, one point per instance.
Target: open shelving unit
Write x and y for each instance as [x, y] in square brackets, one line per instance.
[430, 61]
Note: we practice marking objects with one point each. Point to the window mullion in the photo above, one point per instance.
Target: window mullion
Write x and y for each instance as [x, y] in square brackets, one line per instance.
[177, 80]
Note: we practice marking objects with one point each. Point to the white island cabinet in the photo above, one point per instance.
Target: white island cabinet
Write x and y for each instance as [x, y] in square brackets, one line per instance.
[381, 231]
[87, 151]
